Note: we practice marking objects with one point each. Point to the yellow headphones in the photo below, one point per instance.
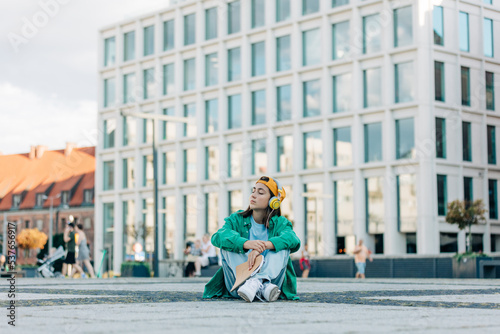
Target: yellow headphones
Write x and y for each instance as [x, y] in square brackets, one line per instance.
[275, 201]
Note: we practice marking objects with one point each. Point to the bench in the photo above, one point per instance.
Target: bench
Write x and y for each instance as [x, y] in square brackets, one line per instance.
[489, 269]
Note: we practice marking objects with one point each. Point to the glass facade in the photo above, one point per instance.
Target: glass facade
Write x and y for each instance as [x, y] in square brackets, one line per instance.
[234, 111]
[169, 169]
[283, 54]
[374, 196]
[109, 51]
[466, 142]
[190, 111]
[259, 156]
[490, 91]
[258, 13]
[340, 40]
[109, 92]
[284, 103]
[314, 218]
[235, 201]
[285, 154]
[149, 83]
[337, 3]
[448, 242]
[313, 150]
[282, 10]
[405, 139]
[189, 74]
[403, 26]
[168, 217]
[233, 17]
[168, 79]
[108, 175]
[211, 69]
[468, 190]
[189, 29]
[311, 47]
[109, 132]
[168, 35]
[311, 98]
[488, 37]
[211, 163]
[234, 64]
[438, 23]
[407, 202]
[258, 59]
[373, 142]
[211, 23]
[310, 6]
[492, 199]
[129, 229]
[342, 147]
[211, 212]
[190, 165]
[168, 128]
[129, 46]
[464, 31]
[372, 87]
[439, 81]
[440, 138]
[147, 131]
[235, 156]
[259, 107]
[129, 131]
[465, 86]
[372, 31]
[405, 82]
[343, 193]
[342, 92]
[147, 171]
[442, 194]
[492, 146]
[129, 86]
[211, 116]
[108, 226]
[149, 40]
[190, 217]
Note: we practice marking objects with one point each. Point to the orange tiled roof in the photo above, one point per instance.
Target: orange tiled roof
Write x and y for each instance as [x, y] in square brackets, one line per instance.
[51, 173]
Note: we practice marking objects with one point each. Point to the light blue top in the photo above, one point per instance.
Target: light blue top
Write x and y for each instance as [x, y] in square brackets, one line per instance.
[258, 232]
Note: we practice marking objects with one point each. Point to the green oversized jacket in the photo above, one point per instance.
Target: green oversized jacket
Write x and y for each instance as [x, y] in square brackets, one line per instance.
[234, 234]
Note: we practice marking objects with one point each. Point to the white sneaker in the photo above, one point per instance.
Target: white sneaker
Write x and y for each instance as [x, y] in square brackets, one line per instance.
[248, 290]
[270, 292]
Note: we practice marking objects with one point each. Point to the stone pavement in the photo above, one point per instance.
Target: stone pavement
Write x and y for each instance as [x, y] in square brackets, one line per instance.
[161, 305]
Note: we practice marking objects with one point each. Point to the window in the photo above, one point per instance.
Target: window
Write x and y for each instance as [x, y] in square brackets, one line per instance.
[259, 157]
[169, 176]
[439, 81]
[468, 191]
[342, 147]
[149, 40]
[234, 64]
[108, 175]
[190, 165]
[108, 229]
[148, 221]
[405, 82]
[465, 81]
[234, 112]
[405, 139]
[373, 142]
[211, 212]
[109, 51]
[283, 53]
[211, 163]
[190, 218]
[258, 59]
[211, 67]
[109, 92]
[336, 3]
[147, 171]
[371, 34]
[211, 116]
[233, 17]
[211, 23]
[313, 150]
[235, 201]
[493, 199]
[448, 242]
[407, 202]
[39, 199]
[259, 107]
[189, 74]
[466, 142]
[190, 111]
[282, 10]
[488, 2]
[492, 146]
[109, 133]
[189, 29]
[440, 138]
[234, 158]
[490, 91]
[168, 79]
[437, 17]
[403, 26]
[311, 47]
[147, 130]
[129, 88]
[285, 153]
[442, 195]
[343, 194]
[488, 37]
[284, 99]
[342, 92]
[311, 98]
[65, 197]
[128, 210]
[464, 31]
[168, 35]
[374, 197]
[310, 6]
[149, 83]
[341, 40]
[258, 13]
[128, 173]
[129, 46]
[16, 201]
[372, 87]
[313, 216]
[129, 131]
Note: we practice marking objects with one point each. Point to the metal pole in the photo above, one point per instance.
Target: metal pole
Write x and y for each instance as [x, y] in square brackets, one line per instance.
[51, 224]
[155, 201]
[4, 246]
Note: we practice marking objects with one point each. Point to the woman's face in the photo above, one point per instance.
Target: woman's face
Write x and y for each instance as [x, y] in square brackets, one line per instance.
[259, 199]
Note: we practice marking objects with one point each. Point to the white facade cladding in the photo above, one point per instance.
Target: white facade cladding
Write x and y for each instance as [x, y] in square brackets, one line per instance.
[372, 114]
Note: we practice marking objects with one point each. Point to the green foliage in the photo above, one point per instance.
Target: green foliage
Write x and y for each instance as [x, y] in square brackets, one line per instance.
[465, 214]
[460, 256]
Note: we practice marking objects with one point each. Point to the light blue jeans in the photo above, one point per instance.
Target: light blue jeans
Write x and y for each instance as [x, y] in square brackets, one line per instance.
[273, 269]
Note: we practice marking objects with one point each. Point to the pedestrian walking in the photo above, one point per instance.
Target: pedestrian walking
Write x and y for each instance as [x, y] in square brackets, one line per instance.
[69, 238]
[305, 263]
[361, 253]
[83, 251]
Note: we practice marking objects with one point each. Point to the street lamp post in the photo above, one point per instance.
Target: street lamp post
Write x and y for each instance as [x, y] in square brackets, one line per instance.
[154, 118]
[51, 224]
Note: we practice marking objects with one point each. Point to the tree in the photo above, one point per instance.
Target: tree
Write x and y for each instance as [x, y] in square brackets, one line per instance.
[465, 214]
[31, 238]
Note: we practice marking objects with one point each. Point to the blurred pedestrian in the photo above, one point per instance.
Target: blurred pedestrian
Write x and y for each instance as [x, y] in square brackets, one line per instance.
[192, 252]
[305, 263]
[361, 253]
[208, 255]
[83, 251]
[69, 238]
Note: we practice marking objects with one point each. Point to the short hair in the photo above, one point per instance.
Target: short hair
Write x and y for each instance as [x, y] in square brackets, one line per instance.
[80, 226]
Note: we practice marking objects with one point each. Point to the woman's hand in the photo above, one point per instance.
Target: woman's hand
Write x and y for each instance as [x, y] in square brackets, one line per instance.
[257, 245]
[251, 258]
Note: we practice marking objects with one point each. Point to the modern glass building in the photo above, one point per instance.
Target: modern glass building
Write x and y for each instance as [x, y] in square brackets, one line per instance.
[373, 117]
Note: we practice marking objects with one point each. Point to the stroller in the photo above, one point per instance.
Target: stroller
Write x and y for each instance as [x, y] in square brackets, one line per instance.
[46, 268]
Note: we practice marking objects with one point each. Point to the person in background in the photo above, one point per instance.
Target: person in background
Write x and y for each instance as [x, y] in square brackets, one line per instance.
[305, 263]
[69, 238]
[208, 255]
[83, 251]
[2, 262]
[193, 251]
[361, 253]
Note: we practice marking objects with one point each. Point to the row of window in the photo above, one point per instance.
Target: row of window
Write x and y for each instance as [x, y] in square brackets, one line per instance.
[65, 196]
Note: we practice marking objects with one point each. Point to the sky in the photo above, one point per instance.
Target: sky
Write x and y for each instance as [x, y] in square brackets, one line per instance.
[48, 69]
